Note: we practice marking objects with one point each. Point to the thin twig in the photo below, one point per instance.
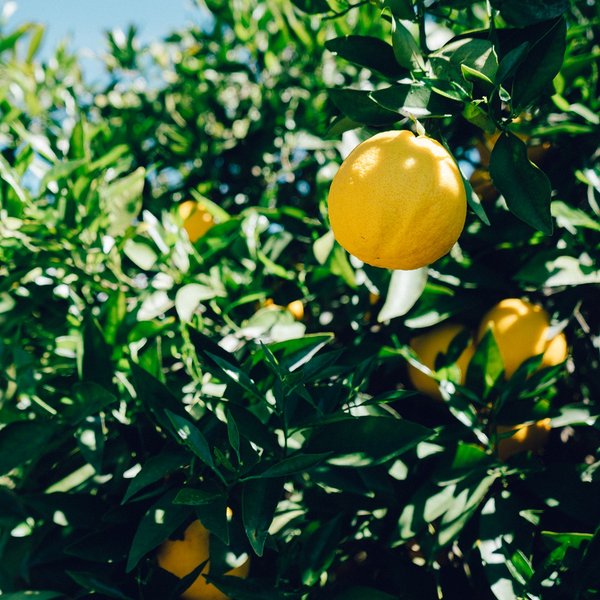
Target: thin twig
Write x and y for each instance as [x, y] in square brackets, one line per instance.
[346, 11]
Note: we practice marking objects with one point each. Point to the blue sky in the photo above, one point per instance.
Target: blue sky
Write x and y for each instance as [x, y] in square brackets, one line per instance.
[87, 20]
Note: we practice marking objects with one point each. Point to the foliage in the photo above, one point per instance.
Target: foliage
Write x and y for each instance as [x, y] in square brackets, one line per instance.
[146, 381]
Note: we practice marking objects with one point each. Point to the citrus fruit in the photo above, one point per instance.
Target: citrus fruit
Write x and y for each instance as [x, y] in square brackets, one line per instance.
[196, 219]
[296, 307]
[427, 346]
[521, 331]
[531, 438]
[398, 201]
[181, 557]
[482, 185]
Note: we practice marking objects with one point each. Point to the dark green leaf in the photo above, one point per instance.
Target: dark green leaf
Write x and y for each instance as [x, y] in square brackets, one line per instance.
[22, 441]
[486, 366]
[32, 595]
[293, 464]
[159, 522]
[369, 52]
[156, 397]
[543, 63]
[319, 550]
[367, 441]
[233, 373]
[416, 100]
[192, 437]
[154, 469]
[96, 583]
[233, 434]
[195, 497]
[108, 545]
[259, 501]
[509, 64]
[214, 515]
[521, 13]
[358, 106]
[245, 589]
[96, 365]
[312, 7]
[88, 399]
[525, 187]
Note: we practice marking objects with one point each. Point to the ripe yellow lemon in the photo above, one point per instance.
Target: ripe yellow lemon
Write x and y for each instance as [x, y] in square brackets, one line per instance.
[398, 201]
[531, 438]
[428, 346]
[181, 557]
[521, 331]
[196, 219]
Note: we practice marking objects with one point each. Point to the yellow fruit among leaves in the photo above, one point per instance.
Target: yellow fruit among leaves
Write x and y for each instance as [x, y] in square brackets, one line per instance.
[181, 557]
[530, 438]
[428, 346]
[398, 201]
[196, 219]
[521, 332]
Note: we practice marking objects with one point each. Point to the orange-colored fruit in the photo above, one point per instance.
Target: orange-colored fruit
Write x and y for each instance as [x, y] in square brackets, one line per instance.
[428, 346]
[482, 185]
[196, 219]
[181, 557]
[297, 309]
[398, 201]
[521, 331]
[530, 438]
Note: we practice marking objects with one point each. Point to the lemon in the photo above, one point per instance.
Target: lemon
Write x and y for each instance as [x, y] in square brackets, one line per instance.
[521, 331]
[398, 201]
[428, 346]
[181, 557]
[196, 219]
[531, 438]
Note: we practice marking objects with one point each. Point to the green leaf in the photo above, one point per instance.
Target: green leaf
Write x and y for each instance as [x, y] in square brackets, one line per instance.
[476, 55]
[195, 497]
[404, 290]
[571, 218]
[319, 550]
[140, 253]
[405, 47]
[486, 367]
[154, 469]
[294, 464]
[96, 583]
[233, 373]
[156, 397]
[552, 269]
[312, 7]
[369, 52]
[510, 63]
[214, 515]
[190, 296]
[61, 170]
[259, 501]
[366, 441]
[525, 187]
[360, 107]
[245, 589]
[415, 100]
[401, 9]
[157, 524]
[123, 200]
[108, 545]
[21, 441]
[96, 365]
[521, 13]
[543, 63]
[88, 399]
[192, 437]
